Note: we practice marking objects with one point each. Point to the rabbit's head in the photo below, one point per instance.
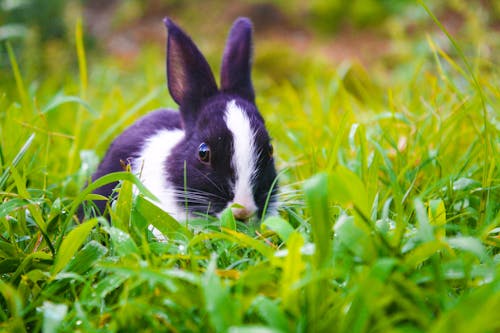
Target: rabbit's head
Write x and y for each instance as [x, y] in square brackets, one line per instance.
[226, 156]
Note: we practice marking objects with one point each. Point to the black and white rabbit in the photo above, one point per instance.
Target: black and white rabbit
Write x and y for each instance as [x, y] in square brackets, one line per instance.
[215, 151]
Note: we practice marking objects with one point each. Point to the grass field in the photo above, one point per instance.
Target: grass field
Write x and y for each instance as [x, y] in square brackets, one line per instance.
[390, 200]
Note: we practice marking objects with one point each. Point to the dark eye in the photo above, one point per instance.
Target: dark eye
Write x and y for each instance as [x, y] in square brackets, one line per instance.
[204, 153]
[270, 150]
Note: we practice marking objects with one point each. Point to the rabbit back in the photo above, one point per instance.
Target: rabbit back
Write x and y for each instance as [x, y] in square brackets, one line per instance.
[128, 147]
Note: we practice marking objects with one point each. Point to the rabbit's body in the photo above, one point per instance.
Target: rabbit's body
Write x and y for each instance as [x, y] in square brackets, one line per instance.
[134, 147]
[214, 152]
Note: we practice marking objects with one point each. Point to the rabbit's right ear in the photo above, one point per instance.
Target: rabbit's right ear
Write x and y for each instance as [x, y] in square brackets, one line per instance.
[190, 79]
[237, 61]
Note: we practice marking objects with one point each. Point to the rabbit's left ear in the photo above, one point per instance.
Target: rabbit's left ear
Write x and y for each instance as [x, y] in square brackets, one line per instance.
[237, 61]
[190, 79]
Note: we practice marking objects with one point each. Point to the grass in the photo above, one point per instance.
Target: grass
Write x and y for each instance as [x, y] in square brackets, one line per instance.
[389, 218]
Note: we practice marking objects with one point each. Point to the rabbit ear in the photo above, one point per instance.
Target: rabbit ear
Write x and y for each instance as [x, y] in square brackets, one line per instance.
[189, 76]
[237, 60]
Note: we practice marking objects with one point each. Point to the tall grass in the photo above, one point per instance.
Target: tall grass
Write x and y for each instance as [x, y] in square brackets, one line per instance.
[389, 218]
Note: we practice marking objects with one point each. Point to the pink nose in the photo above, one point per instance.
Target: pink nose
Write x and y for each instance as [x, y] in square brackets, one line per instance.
[242, 213]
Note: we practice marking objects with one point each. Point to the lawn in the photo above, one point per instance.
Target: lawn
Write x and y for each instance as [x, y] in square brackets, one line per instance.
[389, 216]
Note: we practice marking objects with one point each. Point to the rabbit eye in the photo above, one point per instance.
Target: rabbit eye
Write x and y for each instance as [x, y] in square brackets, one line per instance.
[270, 150]
[204, 153]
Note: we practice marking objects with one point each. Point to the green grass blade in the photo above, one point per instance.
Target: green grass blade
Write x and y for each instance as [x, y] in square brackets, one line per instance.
[272, 313]
[21, 89]
[87, 257]
[82, 66]
[293, 270]
[279, 226]
[221, 309]
[71, 244]
[154, 215]
[60, 99]
[16, 160]
[317, 195]
[11, 315]
[82, 59]
[227, 219]
[120, 216]
[107, 179]
[123, 244]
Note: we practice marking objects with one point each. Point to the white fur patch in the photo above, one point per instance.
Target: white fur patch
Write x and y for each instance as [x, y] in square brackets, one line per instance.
[243, 160]
[150, 168]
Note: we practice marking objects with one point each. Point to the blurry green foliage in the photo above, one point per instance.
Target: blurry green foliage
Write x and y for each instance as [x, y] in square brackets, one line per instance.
[46, 17]
[38, 33]
[46, 27]
[328, 16]
[390, 219]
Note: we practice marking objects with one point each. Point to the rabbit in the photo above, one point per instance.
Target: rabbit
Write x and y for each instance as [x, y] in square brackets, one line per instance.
[215, 151]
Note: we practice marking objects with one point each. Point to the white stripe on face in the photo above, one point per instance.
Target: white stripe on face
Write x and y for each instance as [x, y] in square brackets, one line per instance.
[243, 160]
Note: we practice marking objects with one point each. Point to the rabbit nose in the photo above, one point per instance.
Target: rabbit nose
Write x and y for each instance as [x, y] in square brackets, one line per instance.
[242, 213]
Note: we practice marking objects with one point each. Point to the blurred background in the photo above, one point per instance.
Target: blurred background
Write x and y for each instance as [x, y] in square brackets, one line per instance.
[291, 35]
[374, 50]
